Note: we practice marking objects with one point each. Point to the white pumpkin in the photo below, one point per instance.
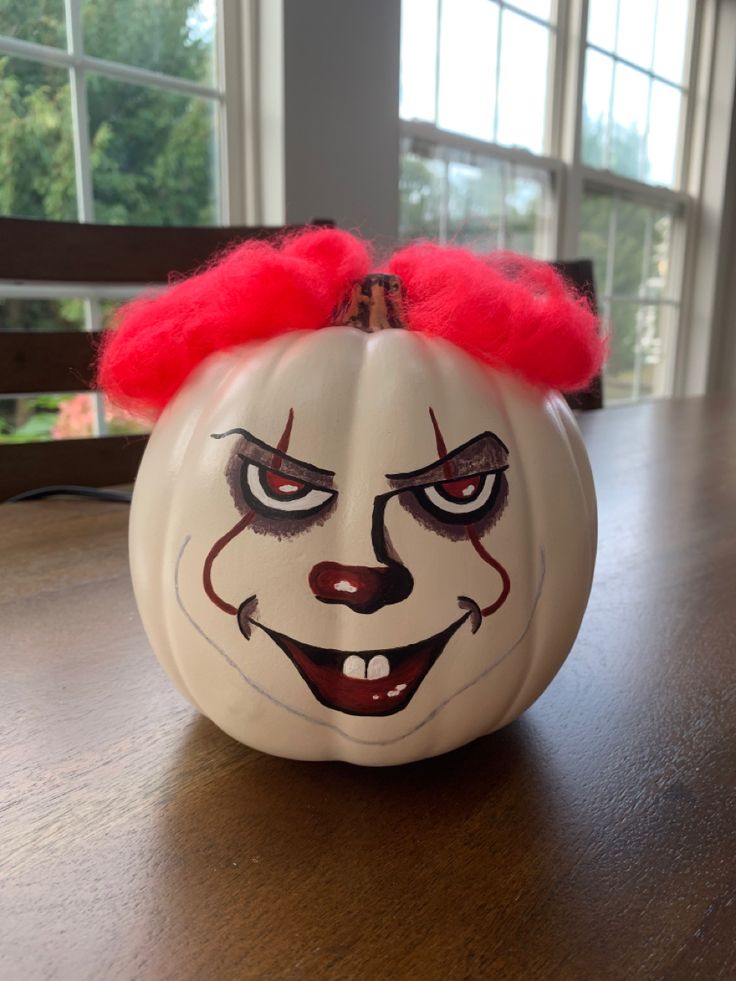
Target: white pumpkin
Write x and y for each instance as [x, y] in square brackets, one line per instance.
[361, 546]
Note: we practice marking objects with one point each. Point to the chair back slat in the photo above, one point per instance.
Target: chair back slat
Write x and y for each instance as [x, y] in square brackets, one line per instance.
[46, 361]
[70, 252]
[93, 462]
[39, 362]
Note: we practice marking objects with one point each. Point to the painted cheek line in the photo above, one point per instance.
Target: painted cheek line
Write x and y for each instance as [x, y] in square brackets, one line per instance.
[212, 555]
[472, 535]
[495, 564]
[281, 447]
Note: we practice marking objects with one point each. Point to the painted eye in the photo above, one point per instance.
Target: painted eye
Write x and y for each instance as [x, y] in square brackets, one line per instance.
[464, 500]
[276, 494]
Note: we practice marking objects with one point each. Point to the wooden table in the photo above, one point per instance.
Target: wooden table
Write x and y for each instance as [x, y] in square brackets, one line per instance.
[593, 838]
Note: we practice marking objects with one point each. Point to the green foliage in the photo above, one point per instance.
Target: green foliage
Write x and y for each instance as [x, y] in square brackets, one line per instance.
[487, 203]
[28, 420]
[41, 21]
[25, 314]
[421, 182]
[152, 151]
[36, 151]
[156, 35]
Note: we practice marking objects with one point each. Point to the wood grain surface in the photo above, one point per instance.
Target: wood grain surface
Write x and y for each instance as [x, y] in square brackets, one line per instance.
[594, 838]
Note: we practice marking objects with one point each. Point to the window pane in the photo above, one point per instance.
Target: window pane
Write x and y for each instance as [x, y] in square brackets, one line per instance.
[475, 205]
[475, 201]
[38, 418]
[176, 37]
[42, 21]
[602, 24]
[119, 423]
[48, 315]
[671, 39]
[36, 149]
[628, 128]
[596, 108]
[540, 8]
[664, 125]
[35, 418]
[153, 155]
[636, 31]
[468, 36]
[659, 281]
[528, 219]
[420, 194]
[522, 82]
[629, 267]
[642, 243]
[595, 218]
[641, 338]
[418, 59]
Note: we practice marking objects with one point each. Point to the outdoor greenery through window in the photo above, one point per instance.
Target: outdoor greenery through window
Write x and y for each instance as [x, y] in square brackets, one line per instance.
[473, 200]
[109, 112]
[482, 110]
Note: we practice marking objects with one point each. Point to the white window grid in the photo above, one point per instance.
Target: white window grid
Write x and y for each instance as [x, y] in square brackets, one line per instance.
[662, 298]
[78, 64]
[448, 154]
[567, 177]
[502, 5]
[651, 76]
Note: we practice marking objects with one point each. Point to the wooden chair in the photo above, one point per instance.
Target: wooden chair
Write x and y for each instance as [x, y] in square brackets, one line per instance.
[579, 272]
[36, 362]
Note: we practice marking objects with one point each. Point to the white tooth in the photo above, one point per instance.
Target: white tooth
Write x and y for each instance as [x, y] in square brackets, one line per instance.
[354, 666]
[378, 667]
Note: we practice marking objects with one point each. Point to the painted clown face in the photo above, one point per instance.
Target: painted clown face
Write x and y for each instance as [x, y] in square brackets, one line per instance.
[372, 545]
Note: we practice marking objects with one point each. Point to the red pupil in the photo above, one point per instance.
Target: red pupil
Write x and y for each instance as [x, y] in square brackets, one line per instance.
[281, 485]
[461, 489]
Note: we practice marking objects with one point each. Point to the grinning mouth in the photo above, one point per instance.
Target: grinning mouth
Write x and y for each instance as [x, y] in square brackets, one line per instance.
[372, 682]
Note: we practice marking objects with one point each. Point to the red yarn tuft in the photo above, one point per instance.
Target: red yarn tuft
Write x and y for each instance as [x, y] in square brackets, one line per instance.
[253, 292]
[511, 312]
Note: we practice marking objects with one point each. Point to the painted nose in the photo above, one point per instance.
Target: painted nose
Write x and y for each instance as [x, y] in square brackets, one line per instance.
[364, 589]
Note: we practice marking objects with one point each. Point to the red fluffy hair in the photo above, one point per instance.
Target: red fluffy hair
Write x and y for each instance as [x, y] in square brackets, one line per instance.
[511, 312]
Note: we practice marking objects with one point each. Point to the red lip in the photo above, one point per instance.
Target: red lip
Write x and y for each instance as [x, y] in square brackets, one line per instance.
[322, 670]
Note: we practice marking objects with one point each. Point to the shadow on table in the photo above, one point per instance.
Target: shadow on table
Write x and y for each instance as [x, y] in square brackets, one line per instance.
[258, 856]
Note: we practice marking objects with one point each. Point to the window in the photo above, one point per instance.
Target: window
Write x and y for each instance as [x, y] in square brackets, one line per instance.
[634, 96]
[473, 200]
[110, 111]
[498, 152]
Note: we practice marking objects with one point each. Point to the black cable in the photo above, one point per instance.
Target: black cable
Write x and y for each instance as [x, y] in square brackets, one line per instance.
[72, 490]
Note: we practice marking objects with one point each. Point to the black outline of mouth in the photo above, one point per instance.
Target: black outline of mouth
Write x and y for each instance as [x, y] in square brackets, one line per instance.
[408, 665]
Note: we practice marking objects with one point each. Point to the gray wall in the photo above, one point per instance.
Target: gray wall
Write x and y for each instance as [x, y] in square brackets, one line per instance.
[341, 84]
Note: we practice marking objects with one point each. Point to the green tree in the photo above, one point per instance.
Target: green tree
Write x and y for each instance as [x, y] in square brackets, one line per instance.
[152, 151]
[421, 182]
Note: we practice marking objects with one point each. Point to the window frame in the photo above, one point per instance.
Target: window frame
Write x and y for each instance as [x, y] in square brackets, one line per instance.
[570, 178]
[78, 64]
[227, 96]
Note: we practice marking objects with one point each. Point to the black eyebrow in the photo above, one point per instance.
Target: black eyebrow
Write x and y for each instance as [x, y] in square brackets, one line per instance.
[413, 474]
[272, 449]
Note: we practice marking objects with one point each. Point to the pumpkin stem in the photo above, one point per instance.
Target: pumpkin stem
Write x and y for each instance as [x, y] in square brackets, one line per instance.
[374, 304]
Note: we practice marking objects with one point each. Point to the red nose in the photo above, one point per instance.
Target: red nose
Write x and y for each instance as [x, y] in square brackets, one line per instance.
[364, 589]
